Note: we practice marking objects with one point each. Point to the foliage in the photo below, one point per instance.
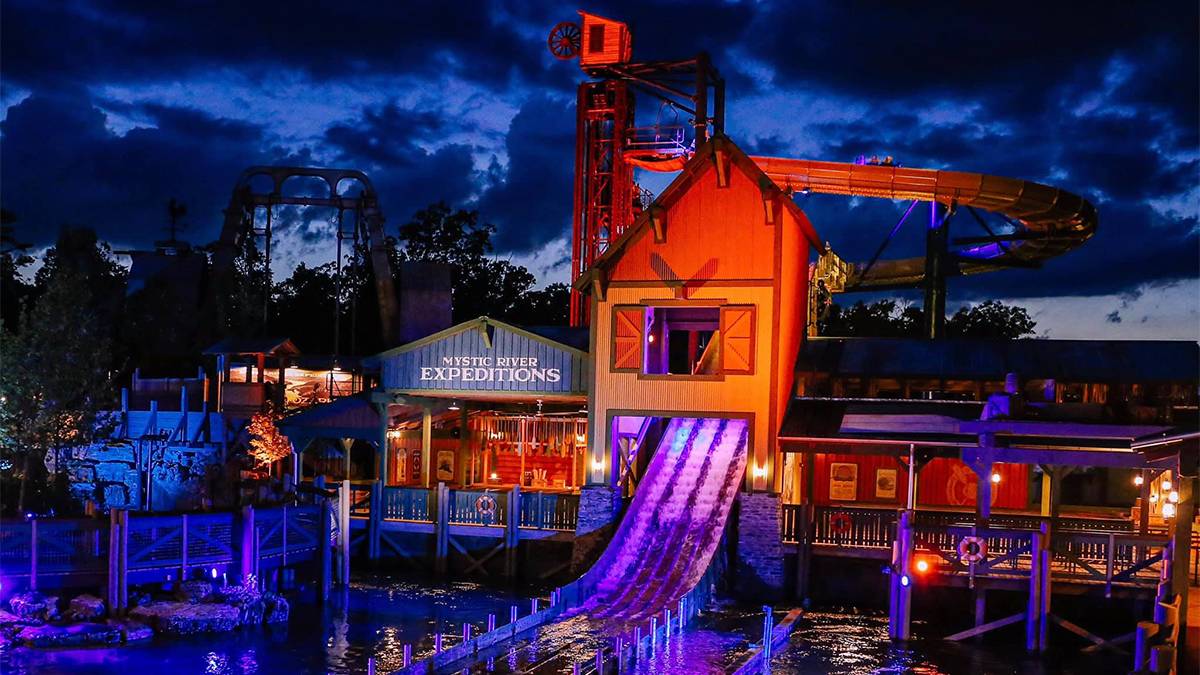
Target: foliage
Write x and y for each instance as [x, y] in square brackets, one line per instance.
[882, 318]
[267, 445]
[887, 318]
[55, 384]
[482, 285]
[990, 319]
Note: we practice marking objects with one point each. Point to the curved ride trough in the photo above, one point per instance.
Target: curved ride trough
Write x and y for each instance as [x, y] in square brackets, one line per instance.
[1049, 221]
[672, 529]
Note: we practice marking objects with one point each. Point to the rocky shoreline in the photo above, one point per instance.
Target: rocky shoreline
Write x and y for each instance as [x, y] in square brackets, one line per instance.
[195, 607]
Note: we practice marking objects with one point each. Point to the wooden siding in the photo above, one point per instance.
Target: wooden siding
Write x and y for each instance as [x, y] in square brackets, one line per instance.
[943, 482]
[401, 371]
[712, 234]
[615, 44]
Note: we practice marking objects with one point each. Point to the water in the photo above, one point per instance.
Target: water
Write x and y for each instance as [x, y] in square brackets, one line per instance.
[378, 616]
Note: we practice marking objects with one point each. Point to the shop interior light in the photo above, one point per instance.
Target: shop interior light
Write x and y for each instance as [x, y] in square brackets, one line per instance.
[1138, 480]
[1173, 497]
[494, 476]
[1166, 484]
[1168, 510]
[580, 439]
[1153, 497]
[598, 464]
[760, 471]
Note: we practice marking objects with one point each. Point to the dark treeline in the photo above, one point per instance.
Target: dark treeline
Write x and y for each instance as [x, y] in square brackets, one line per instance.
[163, 328]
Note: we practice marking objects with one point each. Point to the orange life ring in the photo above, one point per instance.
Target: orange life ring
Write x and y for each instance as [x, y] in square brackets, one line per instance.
[840, 523]
[485, 506]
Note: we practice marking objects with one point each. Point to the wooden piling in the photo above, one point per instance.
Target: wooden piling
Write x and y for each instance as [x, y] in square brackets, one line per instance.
[344, 534]
[512, 532]
[900, 580]
[249, 554]
[441, 530]
[324, 550]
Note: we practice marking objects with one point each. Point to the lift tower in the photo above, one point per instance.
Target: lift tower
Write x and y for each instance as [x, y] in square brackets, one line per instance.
[606, 198]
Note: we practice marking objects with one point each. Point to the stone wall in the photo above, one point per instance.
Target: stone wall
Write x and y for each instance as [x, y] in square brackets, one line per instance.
[598, 509]
[109, 475]
[759, 571]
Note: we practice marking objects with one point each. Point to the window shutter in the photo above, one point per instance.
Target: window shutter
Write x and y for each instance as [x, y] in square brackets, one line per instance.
[737, 339]
[628, 325]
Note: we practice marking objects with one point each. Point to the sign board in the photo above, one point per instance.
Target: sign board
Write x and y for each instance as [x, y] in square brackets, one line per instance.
[483, 356]
[843, 481]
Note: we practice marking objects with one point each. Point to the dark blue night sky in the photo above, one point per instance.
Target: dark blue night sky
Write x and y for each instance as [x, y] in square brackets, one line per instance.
[109, 108]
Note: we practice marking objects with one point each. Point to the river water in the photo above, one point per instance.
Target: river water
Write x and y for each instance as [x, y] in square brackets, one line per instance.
[378, 616]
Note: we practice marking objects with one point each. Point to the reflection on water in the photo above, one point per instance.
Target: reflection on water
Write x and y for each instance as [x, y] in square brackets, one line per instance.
[378, 616]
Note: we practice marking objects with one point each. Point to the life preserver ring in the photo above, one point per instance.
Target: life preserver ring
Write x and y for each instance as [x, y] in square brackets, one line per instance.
[485, 506]
[840, 523]
[972, 549]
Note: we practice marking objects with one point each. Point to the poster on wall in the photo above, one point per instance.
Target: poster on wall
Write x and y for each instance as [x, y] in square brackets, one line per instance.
[400, 468]
[445, 465]
[414, 468]
[885, 483]
[843, 481]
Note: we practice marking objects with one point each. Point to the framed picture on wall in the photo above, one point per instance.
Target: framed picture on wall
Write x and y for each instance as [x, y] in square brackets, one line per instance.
[445, 465]
[885, 483]
[843, 481]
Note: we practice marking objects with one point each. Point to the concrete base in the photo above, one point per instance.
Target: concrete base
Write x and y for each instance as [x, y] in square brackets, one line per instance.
[759, 572]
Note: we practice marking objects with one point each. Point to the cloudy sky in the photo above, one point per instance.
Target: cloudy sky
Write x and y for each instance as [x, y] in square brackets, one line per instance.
[110, 108]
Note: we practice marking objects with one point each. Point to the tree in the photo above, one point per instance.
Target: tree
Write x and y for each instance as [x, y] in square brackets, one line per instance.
[886, 318]
[991, 319]
[267, 445]
[481, 284]
[55, 386]
[882, 318]
[14, 290]
[549, 306]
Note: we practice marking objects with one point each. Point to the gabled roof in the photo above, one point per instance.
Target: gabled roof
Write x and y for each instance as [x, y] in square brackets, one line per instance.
[270, 346]
[481, 324]
[696, 168]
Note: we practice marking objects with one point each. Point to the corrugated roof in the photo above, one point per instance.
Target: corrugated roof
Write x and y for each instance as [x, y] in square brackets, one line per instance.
[266, 345]
[1108, 361]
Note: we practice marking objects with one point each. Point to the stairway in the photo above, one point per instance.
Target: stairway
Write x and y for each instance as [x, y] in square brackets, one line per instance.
[674, 524]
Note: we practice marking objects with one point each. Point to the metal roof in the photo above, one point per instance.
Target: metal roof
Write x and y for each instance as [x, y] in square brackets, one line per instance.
[1100, 361]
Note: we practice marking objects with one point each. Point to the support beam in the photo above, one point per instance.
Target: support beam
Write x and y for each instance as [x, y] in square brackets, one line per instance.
[900, 597]
[937, 259]
[426, 445]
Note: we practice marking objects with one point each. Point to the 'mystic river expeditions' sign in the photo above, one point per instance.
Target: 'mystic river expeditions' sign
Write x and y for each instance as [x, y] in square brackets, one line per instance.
[490, 369]
[486, 356]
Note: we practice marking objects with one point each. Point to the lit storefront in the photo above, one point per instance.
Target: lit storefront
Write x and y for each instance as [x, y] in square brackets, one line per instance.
[485, 404]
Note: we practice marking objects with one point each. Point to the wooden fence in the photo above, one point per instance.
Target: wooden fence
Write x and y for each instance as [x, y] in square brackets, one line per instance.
[557, 511]
[142, 548]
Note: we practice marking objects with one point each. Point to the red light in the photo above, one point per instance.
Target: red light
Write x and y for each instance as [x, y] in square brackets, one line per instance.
[922, 565]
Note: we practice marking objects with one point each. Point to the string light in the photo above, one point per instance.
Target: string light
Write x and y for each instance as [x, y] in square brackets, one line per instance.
[1168, 510]
[1173, 497]
[1166, 484]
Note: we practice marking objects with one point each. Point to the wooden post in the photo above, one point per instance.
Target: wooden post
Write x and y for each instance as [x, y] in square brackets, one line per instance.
[900, 597]
[344, 534]
[248, 553]
[183, 548]
[324, 550]
[804, 532]
[980, 605]
[1033, 613]
[118, 560]
[426, 445]
[1180, 551]
[441, 530]
[375, 521]
[1144, 512]
[512, 532]
[33, 553]
[1045, 556]
[463, 467]
[385, 449]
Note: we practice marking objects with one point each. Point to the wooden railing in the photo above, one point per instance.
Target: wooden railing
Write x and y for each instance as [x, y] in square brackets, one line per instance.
[76, 551]
[405, 503]
[549, 510]
[875, 527]
[1109, 554]
[537, 510]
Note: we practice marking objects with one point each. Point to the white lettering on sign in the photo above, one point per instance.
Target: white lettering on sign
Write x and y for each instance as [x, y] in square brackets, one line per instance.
[489, 369]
